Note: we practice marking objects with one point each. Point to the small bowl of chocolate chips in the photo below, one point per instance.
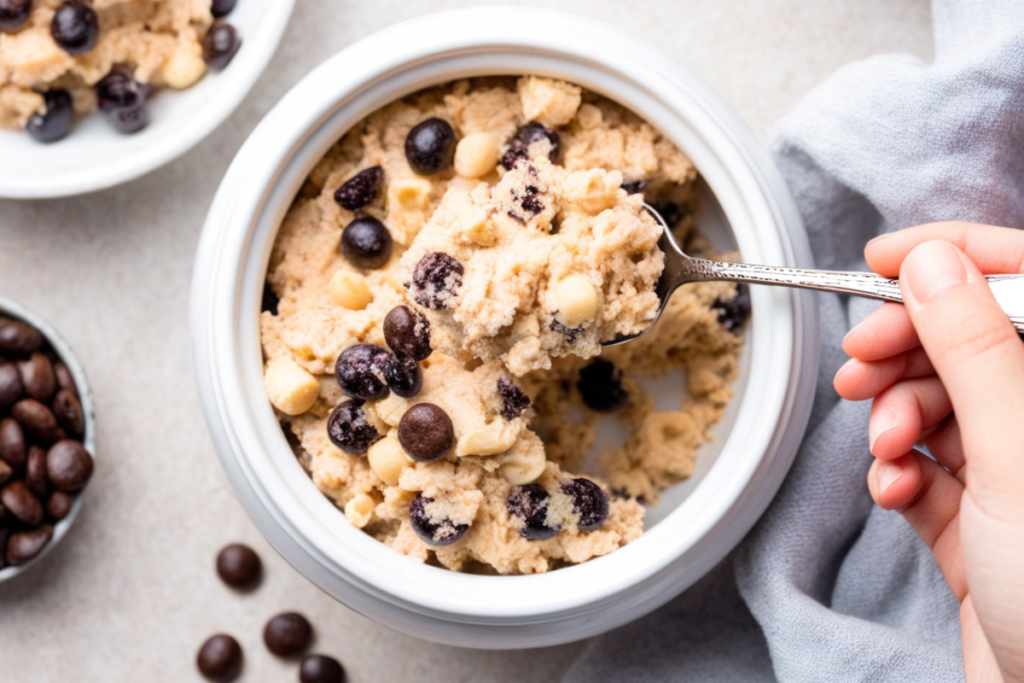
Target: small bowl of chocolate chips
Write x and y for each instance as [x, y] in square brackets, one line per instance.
[47, 438]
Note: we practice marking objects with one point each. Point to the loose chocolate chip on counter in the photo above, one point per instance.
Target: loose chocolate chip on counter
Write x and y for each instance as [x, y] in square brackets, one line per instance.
[35, 472]
[37, 376]
[11, 387]
[404, 376]
[513, 400]
[526, 136]
[64, 379]
[288, 634]
[433, 531]
[220, 44]
[360, 372]
[734, 313]
[58, 505]
[220, 8]
[407, 333]
[349, 430]
[436, 279]
[239, 566]
[6, 472]
[22, 503]
[588, 501]
[366, 243]
[321, 669]
[529, 503]
[13, 448]
[430, 146]
[18, 338]
[14, 13]
[68, 412]
[220, 658]
[36, 420]
[68, 465]
[426, 432]
[75, 27]
[600, 386]
[361, 189]
[634, 186]
[22, 546]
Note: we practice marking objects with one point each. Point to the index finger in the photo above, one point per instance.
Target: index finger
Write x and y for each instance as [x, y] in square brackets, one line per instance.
[993, 250]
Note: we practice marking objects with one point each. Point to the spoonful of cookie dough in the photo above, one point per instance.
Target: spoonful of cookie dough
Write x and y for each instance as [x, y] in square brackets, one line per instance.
[681, 269]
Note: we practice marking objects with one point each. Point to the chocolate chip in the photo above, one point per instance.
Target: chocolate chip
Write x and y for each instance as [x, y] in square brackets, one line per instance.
[513, 400]
[119, 90]
[600, 386]
[22, 546]
[404, 376]
[407, 333]
[220, 44]
[18, 339]
[526, 135]
[22, 503]
[321, 669]
[349, 430]
[426, 432]
[733, 313]
[68, 412]
[14, 13]
[38, 377]
[366, 243]
[64, 379]
[239, 566]
[270, 300]
[430, 146]
[288, 634]
[220, 658]
[431, 530]
[75, 27]
[53, 122]
[6, 472]
[220, 8]
[68, 465]
[36, 419]
[634, 186]
[58, 505]
[361, 189]
[588, 501]
[529, 504]
[570, 333]
[670, 213]
[35, 472]
[360, 372]
[11, 387]
[436, 279]
[13, 449]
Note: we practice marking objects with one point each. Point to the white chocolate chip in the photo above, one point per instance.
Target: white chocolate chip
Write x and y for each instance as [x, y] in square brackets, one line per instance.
[476, 155]
[184, 67]
[523, 466]
[359, 510]
[387, 460]
[491, 439]
[350, 290]
[575, 300]
[290, 388]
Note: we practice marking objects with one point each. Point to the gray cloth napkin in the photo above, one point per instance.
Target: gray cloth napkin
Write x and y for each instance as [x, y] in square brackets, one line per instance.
[827, 586]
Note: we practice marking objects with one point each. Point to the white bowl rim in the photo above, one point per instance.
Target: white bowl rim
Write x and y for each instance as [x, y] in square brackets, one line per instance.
[238, 411]
[242, 74]
[60, 345]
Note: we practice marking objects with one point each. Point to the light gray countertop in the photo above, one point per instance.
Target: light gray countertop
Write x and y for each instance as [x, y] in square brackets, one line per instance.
[131, 593]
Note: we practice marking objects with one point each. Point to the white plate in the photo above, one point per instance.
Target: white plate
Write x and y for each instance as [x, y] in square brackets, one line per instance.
[94, 156]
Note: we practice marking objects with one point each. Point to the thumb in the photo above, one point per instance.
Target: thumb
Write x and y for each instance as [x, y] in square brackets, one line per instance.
[980, 360]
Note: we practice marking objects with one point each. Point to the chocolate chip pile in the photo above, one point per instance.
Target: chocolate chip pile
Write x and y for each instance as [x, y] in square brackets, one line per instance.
[288, 635]
[43, 463]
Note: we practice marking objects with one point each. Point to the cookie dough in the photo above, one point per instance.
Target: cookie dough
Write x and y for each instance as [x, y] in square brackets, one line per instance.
[519, 491]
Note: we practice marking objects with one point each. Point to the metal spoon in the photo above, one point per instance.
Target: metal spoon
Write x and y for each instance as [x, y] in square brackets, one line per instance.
[681, 269]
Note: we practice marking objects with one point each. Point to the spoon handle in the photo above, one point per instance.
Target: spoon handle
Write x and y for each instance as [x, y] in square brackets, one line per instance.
[1007, 289]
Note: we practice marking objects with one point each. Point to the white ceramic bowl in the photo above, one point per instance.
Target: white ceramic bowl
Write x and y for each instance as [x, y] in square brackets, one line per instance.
[94, 156]
[698, 522]
[9, 309]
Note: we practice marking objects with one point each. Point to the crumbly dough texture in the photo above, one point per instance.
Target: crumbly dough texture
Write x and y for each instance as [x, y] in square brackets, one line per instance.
[142, 34]
[552, 438]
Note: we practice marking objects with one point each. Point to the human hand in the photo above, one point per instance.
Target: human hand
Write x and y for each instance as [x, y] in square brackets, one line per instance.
[946, 370]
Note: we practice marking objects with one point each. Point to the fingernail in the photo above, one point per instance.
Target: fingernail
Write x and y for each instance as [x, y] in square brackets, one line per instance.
[933, 268]
[881, 422]
[874, 240]
[888, 474]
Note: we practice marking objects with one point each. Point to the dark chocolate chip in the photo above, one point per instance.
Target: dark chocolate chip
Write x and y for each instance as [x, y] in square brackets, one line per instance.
[128, 121]
[54, 121]
[11, 387]
[119, 90]
[288, 634]
[220, 658]
[35, 472]
[68, 465]
[239, 566]
[407, 332]
[38, 377]
[13, 448]
[14, 13]
[64, 379]
[570, 333]
[361, 189]
[37, 420]
[426, 432]
[68, 412]
[22, 503]
[270, 300]
[366, 243]
[634, 186]
[430, 146]
[588, 501]
[734, 313]
[529, 504]
[22, 546]
[220, 44]
[670, 213]
[360, 372]
[513, 400]
[436, 279]
[75, 27]
[404, 376]
[58, 505]
[349, 430]
[526, 135]
[600, 386]
[321, 669]
[18, 339]
[6, 472]
[438, 532]
[220, 8]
